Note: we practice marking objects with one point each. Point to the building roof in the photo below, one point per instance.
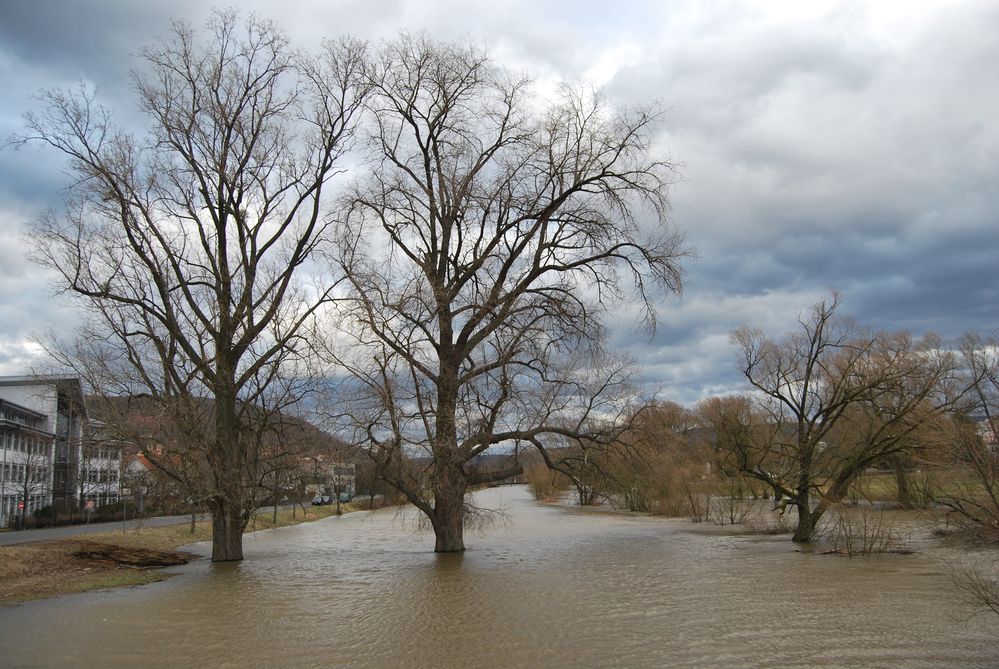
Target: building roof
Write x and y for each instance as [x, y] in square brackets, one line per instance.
[16, 426]
[70, 385]
[20, 409]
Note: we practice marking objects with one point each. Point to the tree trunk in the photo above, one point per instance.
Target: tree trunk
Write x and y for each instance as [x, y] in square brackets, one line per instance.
[449, 511]
[228, 524]
[228, 464]
[902, 483]
[449, 525]
[805, 529]
[807, 519]
[450, 482]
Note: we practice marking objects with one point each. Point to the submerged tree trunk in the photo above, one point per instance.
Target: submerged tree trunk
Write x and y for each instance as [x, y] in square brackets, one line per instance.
[450, 481]
[448, 519]
[902, 483]
[229, 503]
[228, 523]
[805, 529]
[807, 518]
[448, 524]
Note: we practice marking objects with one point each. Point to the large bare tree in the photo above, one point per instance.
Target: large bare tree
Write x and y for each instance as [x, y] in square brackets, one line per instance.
[837, 400]
[187, 244]
[494, 229]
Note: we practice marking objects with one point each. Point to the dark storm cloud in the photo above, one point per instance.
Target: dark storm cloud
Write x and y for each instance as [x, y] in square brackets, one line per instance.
[820, 156]
[92, 35]
[58, 43]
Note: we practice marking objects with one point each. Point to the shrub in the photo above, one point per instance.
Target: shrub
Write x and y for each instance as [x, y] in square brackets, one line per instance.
[729, 507]
[865, 531]
[545, 484]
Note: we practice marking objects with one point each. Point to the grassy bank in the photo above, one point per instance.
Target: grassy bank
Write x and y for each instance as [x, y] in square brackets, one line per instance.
[65, 566]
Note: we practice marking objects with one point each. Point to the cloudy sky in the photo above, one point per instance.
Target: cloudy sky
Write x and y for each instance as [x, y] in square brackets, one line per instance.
[824, 145]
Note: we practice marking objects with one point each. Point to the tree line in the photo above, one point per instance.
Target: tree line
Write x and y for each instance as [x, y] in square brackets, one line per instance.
[828, 403]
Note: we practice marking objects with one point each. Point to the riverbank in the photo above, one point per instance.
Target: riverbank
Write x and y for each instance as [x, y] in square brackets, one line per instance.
[118, 559]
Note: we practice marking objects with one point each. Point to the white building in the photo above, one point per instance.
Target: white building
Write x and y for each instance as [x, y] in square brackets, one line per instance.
[100, 466]
[26, 449]
[45, 460]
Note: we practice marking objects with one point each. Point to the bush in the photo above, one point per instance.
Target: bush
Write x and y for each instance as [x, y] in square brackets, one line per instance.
[771, 522]
[696, 502]
[865, 531]
[545, 484]
[978, 577]
[730, 507]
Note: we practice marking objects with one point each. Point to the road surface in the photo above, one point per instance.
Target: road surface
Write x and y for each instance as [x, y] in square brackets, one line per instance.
[12, 537]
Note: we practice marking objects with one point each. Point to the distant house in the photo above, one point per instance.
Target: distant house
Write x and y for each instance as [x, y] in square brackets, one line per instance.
[147, 486]
[986, 428]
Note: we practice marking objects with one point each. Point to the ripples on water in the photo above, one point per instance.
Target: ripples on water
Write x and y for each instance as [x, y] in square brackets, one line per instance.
[546, 587]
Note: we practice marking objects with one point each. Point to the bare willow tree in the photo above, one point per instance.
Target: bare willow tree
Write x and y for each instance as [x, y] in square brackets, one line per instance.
[970, 457]
[732, 420]
[187, 245]
[656, 460]
[492, 233]
[837, 401]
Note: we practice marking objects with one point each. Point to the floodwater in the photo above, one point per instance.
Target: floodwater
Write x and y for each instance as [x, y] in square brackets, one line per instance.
[545, 586]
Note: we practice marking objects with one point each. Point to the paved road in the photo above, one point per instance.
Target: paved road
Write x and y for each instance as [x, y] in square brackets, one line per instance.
[10, 538]
[49, 533]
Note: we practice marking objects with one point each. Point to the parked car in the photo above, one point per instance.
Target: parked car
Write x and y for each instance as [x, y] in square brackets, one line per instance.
[344, 497]
[321, 500]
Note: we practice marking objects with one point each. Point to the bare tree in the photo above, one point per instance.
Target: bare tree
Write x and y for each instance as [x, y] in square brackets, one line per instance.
[730, 421]
[971, 456]
[98, 475]
[838, 400]
[187, 245]
[656, 459]
[481, 253]
[587, 465]
[31, 474]
[646, 467]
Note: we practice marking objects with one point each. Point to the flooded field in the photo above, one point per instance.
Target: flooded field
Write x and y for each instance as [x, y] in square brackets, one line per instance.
[545, 586]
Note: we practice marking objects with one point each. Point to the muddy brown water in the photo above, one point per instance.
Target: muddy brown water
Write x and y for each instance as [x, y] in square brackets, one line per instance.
[544, 587]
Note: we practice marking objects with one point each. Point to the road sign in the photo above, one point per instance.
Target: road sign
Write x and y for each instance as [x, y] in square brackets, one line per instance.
[20, 506]
[90, 505]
